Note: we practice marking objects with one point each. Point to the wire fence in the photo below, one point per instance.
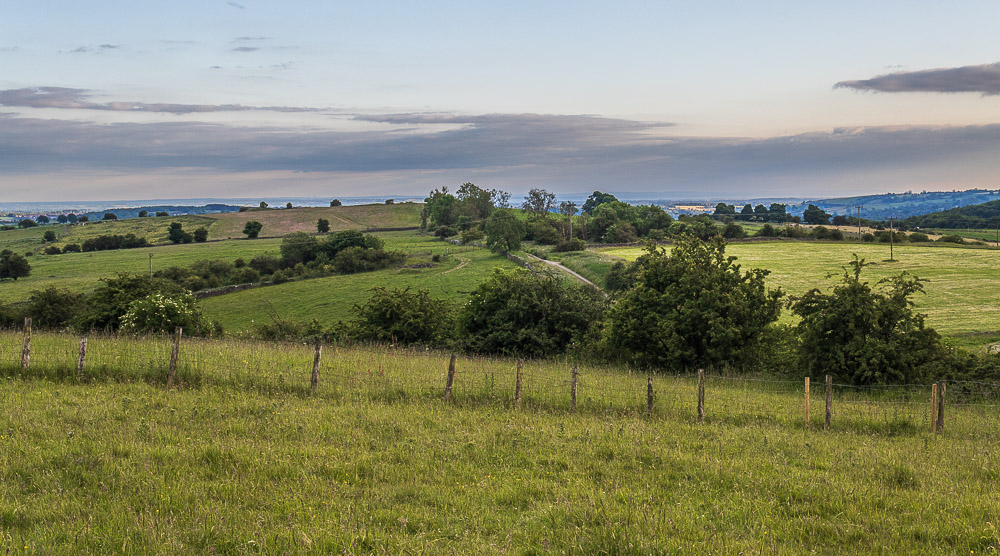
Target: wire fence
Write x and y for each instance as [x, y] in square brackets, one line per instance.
[382, 373]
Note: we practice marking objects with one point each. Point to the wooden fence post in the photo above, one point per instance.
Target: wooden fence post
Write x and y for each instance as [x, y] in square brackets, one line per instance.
[649, 395]
[701, 395]
[451, 378]
[314, 381]
[829, 402]
[572, 390]
[83, 356]
[940, 415]
[174, 352]
[26, 348]
[517, 384]
[807, 402]
[934, 406]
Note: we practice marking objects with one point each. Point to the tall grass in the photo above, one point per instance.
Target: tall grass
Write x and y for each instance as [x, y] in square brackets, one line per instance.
[241, 458]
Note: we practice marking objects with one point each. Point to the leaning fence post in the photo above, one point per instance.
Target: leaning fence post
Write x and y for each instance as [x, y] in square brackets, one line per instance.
[174, 352]
[517, 384]
[829, 402]
[26, 348]
[807, 402]
[649, 395]
[701, 395]
[940, 416]
[83, 356]
[934, 406]
[572, 390]
[314, 381]
[451, 378]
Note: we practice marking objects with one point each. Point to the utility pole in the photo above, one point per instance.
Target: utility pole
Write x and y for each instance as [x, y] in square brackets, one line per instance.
[859, 220]
[890, 238]
[150, 266]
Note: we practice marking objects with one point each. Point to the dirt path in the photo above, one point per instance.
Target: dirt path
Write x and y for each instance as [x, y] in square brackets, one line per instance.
[459, 267]
[566, 270]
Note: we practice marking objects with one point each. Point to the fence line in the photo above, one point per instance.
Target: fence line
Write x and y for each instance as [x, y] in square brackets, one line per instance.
[377, 372]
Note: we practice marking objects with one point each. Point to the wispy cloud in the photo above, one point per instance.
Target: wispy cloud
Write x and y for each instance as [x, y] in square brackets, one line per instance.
[94, 49]
[78, 99]
[984, 79]
[237, 6]
[245, 49]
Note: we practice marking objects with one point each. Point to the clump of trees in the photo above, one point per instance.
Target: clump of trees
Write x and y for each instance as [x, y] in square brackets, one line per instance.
[252, 228]
[13, 265]
[114, 241]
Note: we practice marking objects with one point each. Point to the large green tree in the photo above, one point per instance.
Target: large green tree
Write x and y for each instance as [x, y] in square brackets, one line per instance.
[692, 308]
[863, 336]
[13, 265]
[504, 230]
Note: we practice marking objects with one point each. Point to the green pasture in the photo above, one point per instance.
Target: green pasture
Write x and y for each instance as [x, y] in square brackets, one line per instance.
[330, 299]
[241, 458]
[154, 229]
[81, 272]
[988, 235]
[961, 289]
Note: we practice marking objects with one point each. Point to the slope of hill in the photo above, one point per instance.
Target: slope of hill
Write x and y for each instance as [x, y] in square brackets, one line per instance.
[900, 205]
[984, 215]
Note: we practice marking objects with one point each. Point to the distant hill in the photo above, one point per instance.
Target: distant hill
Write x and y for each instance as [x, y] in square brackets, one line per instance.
[983, 215]
[901, 205]
[172, 210]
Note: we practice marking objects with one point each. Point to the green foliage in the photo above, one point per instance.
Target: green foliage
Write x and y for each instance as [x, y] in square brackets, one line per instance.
[574, 244]
[360, 259]
[252, 228]
[733, 231]
[862, 336]
[49, 236]
[700, 226]
[815, 215]
[201, 235]
[539, 201]
[542, 230]
[445, 231]
[27, 223]
[52, 250]
[13, 265]
[53, 307]
[595, 200]
[919, 237]
[692, 309]
[504, 231]
[336, 203]
[157, 313]
[323, 226]
[111, 300]
[109, 216]
[517, 313]
[176, 233]
[440, 208]
[950, 238]
[403, 316]
[298, 247]
[265, 264]
[72, 248]
[113, 241]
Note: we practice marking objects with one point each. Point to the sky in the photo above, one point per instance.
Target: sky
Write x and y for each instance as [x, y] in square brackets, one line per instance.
[106, 100]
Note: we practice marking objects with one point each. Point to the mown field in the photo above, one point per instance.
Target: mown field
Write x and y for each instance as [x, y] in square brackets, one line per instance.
[278, 222]
[242, 459]
[959, 301]
[330, 299]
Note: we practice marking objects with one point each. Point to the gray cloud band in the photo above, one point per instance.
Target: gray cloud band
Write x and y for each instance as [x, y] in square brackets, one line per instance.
[568, 151]
[77, 99]
[984, 79]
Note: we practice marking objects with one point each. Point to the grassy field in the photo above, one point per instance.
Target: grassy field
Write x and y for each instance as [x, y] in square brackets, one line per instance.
[241, 459]
[81, 271]
[958, 301]
[987, 235]
[279, 222]
[330, 299]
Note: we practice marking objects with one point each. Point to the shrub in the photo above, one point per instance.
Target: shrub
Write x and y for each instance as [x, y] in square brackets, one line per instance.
[405, 316]
[952, 239]
[472, 235]
[862, 336]
[916, 237]
[162, 213]
[162, 313]
[53, 308]
[49, 236]
[445, 231]
[323, 225]
[114, 297]
[109, 216]
[692, 308]
[53, 250]
[571, 245]
[72, 248]
[252, 228]
[201, 235]
[27, 223]
[733, 231]
[542, 230]
[265, 264]
[516, 313]
[359, 259]
[111, 242]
